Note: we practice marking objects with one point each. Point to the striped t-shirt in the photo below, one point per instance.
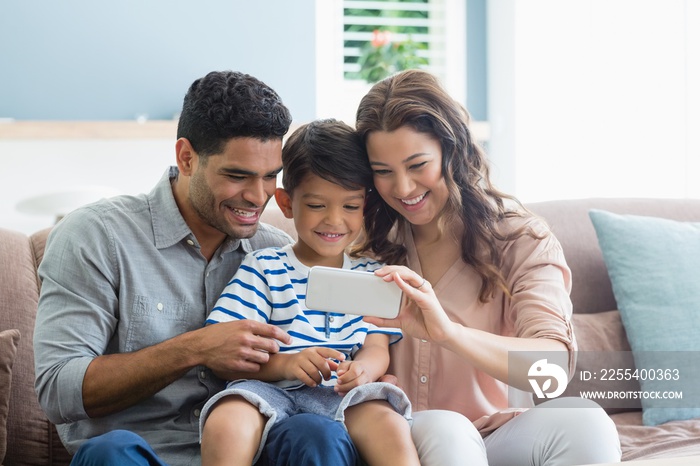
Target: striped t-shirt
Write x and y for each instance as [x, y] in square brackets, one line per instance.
[270, 287]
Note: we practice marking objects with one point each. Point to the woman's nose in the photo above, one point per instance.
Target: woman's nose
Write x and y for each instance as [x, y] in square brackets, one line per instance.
[403, 185]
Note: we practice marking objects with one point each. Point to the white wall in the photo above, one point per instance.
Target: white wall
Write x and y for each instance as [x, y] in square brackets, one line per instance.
[595, 98]
[30, 168]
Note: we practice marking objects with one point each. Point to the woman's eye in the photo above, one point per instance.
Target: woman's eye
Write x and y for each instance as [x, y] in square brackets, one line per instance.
[418, 165]
[352, 208]
[382, 172]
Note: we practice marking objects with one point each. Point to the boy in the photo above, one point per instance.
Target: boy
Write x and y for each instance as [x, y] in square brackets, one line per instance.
[334, 359]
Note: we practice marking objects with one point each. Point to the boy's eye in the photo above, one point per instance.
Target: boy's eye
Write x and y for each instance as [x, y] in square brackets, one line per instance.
[314, 206]
[352, 207]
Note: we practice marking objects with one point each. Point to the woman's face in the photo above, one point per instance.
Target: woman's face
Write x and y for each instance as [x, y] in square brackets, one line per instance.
[407, 168]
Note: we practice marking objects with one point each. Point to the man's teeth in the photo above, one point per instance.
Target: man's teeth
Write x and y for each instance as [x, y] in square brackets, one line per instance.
[243, 213]
[414, 200]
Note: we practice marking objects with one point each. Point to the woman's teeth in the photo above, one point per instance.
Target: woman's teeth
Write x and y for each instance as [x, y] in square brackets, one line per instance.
[415, 200]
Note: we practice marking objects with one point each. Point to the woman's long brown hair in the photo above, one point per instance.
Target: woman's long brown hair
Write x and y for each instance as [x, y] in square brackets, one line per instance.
[415, 99]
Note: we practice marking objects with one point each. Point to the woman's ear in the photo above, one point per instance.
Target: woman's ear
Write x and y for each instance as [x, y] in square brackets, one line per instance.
[284, 201]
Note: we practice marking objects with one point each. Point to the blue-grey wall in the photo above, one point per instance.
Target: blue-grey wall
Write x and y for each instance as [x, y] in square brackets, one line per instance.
[477, 64]
[94, 60]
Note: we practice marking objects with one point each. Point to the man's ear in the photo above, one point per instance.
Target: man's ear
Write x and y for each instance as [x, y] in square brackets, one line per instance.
[187, 158]
[284, 201]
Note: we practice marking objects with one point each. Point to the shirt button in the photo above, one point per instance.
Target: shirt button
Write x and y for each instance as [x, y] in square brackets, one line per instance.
[331, 319]
[160, 306]
[423, 379]
[202, 374]
[197, 412]
[190, 242]
[424, 341]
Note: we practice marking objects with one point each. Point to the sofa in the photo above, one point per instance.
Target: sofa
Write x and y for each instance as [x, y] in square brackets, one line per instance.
[30, 439]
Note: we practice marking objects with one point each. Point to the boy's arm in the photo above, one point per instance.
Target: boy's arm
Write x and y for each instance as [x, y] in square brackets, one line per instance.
[374, 354]
[272, 371]
[368, 365]
[309, 366]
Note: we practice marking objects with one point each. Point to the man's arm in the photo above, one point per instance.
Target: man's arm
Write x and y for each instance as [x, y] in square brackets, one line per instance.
[88, 361]
[117, 381]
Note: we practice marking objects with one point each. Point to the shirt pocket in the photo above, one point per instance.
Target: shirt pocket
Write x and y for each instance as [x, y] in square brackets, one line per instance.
[155, 320]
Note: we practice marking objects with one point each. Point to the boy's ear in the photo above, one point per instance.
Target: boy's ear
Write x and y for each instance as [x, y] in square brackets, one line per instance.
[284, 201]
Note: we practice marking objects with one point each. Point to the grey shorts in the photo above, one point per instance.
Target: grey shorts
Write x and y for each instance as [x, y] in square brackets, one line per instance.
[278, 404]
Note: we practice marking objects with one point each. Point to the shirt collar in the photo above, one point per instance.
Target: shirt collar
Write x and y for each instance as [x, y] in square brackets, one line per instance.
[169, 227]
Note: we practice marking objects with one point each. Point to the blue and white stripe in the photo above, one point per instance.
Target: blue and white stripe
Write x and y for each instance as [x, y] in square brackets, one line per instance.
[270, 286]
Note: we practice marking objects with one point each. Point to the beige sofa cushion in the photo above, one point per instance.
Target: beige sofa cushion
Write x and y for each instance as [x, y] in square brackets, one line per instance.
[9, 339]
[602, 344]
[29, 434]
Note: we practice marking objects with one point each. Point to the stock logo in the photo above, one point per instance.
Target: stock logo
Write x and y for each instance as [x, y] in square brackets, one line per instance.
[541, 374]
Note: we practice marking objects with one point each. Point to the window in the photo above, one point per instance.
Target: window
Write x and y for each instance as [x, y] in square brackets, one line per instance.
[344, 28]
[396, 22]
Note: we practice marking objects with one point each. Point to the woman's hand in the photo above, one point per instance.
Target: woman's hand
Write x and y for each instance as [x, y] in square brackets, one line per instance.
[421, 314]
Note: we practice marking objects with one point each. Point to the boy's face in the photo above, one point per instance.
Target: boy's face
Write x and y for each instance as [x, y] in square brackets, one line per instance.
[327, 217]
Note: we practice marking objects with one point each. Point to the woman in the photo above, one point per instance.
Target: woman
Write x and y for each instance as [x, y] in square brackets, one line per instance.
[486, 282]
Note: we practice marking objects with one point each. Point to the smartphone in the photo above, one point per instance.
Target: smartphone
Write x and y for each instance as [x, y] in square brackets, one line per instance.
[331, 289]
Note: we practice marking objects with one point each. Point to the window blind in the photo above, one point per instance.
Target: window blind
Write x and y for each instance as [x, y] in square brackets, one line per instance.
[421, 21]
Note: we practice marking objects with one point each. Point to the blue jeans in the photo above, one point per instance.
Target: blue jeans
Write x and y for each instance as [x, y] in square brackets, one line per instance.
[304, 439]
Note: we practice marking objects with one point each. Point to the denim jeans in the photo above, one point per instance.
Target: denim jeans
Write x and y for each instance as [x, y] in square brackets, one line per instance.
[303, 439]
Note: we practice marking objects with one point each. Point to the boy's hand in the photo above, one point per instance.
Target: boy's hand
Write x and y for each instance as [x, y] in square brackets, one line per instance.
[351, 374]
[313, 365]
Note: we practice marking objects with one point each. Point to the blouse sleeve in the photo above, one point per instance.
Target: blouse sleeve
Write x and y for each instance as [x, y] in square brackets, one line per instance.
[539, 282]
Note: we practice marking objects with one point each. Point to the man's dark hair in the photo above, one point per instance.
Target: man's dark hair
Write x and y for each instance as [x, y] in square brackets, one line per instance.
[329, 149]
[228, 104]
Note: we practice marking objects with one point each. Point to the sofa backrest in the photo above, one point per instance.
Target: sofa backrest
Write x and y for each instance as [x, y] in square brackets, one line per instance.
[31, 438]
[591, 290]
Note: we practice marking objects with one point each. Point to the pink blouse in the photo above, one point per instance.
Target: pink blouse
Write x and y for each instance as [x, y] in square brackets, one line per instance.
[539, 306]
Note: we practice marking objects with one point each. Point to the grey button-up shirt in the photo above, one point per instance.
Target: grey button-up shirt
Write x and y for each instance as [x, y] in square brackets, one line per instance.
[117, 276]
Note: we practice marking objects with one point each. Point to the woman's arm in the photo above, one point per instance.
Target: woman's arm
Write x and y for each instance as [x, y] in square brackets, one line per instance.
[423, 317]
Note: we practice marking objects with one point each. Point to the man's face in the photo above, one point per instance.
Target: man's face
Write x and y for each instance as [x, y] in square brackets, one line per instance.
[229, 191]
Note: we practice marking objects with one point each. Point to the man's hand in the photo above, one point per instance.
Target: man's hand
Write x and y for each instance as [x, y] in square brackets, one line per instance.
[240, 346]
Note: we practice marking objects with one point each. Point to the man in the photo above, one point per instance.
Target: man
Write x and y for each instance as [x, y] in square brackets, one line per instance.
[122, 356]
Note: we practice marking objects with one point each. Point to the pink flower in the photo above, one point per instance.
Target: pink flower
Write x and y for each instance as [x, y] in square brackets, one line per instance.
[380, 38]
